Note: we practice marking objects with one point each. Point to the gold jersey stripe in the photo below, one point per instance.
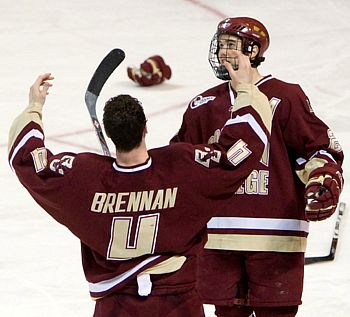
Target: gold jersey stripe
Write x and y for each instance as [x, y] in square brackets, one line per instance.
[245, 242]
[170, 265]
[167, 266]
[32, 113]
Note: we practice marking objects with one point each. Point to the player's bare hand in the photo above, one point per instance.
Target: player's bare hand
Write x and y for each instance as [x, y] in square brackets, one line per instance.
[40, 89]
[244, 73]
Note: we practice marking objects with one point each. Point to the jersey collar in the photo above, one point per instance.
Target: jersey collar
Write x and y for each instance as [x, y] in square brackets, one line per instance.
[133, 169]
[232, 93]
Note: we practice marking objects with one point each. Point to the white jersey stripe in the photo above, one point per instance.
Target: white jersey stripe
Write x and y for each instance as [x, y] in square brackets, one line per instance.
[258, 224]
[252, 122]
[31, 134]
[108, 284]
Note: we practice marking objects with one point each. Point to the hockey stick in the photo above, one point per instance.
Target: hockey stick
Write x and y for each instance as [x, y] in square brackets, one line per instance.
[331, 255]
[111, 61]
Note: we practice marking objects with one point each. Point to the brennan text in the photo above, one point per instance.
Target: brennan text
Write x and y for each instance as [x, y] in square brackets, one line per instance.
[134, 201]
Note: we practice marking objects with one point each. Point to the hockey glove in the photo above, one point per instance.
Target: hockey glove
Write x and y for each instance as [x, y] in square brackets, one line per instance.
[322, 192]
[152, 71]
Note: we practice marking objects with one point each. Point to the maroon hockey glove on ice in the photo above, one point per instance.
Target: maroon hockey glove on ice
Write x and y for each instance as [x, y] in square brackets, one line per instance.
[152, 71]
[322, 192]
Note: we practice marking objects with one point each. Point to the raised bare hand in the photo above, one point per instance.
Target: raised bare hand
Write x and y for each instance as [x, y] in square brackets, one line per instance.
[39, 90]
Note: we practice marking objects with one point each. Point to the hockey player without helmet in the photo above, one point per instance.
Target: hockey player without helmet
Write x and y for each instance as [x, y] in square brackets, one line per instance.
[250, 31]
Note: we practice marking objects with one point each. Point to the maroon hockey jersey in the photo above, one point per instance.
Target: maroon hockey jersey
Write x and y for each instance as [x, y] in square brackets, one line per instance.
[267, 213]
[140, 227]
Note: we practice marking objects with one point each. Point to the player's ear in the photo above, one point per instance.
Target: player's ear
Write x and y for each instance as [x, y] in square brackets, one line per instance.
[255, 51]
[145, 131]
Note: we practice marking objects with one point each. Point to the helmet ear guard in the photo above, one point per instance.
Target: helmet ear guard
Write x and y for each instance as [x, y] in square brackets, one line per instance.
[247, 46]
[247, 49]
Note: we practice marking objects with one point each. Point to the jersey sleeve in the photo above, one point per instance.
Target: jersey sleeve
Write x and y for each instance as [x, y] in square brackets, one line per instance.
[310, 140]
[40, 172]
[241, 144]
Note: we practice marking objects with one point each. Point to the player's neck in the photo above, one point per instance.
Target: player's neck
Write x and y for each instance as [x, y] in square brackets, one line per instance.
[256, 75]
[136, 156]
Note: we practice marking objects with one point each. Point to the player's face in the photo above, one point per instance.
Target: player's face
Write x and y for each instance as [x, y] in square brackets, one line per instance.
[228, 47]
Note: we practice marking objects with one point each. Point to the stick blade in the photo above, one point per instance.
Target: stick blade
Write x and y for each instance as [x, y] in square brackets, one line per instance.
[331, 256]
[107, 66]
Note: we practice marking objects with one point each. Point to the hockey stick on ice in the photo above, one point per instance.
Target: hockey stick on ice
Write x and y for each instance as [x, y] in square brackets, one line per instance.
[331, 255]
[111, 61]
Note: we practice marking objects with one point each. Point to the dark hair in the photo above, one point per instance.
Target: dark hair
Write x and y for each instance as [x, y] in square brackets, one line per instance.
[124, 122]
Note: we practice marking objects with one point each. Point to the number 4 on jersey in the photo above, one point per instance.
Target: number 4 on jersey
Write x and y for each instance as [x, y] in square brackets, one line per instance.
[123, 246]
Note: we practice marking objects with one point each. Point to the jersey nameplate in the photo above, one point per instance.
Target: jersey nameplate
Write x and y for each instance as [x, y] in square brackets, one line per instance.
[134, 201]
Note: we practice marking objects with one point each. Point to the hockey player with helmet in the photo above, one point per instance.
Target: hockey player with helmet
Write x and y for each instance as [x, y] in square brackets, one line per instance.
[140, 219]
[254, 257]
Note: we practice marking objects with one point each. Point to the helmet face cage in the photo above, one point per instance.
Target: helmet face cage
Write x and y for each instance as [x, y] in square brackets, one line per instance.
[219, 70]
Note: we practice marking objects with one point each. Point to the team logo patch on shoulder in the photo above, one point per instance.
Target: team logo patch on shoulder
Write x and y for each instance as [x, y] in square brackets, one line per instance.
[200, 101]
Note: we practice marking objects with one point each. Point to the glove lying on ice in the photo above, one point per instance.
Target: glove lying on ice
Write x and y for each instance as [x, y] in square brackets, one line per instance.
[152, 71]
[322, 192]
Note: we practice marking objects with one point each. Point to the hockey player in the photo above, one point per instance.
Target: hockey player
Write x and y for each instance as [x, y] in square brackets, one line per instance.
[254, 257]
[140, 217]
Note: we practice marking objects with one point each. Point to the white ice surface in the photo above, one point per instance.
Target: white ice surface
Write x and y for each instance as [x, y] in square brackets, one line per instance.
[40, 270]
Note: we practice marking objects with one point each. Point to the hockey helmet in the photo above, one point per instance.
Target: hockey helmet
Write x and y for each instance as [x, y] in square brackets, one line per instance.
[250, 31]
